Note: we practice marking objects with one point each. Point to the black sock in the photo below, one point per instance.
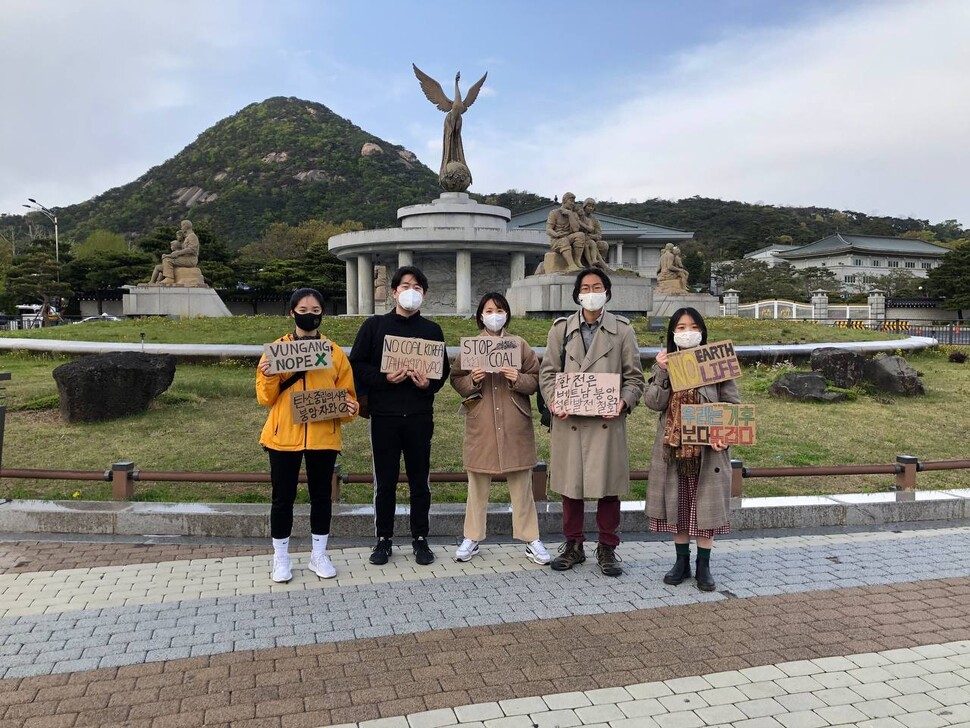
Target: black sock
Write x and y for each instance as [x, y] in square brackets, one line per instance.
[683, 549]
[703, 554]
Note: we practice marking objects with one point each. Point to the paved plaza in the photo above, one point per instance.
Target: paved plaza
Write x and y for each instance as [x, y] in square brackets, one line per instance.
[805, 630]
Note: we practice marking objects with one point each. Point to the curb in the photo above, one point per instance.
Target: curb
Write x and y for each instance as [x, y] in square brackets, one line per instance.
[250, 520]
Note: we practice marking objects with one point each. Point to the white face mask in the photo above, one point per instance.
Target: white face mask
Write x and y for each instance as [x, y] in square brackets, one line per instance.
[494, 322]
[410, 300]
[592, 301]
[687, 339]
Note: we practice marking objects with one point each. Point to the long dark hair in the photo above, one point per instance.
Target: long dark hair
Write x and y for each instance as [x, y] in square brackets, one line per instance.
[300, 293]
[671, 325]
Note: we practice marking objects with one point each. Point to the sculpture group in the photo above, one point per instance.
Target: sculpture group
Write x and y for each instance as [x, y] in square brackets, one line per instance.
[671, 274]
[181, 266]
[575, 238]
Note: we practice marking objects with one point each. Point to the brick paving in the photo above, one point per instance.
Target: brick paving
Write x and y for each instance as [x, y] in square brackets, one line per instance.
[498, 642]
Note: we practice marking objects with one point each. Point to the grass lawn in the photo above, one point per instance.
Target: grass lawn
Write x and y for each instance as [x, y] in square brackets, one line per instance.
[209, 419]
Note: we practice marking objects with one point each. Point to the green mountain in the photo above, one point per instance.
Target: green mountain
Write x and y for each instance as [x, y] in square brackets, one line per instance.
[281, 160]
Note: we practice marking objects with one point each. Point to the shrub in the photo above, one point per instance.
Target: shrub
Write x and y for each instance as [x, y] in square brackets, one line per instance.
[957, 357]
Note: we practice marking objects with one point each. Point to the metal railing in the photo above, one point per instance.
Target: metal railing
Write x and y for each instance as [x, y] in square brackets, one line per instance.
[123, 475]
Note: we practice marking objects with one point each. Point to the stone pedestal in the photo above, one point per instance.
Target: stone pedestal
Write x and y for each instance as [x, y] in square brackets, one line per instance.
[551, 294]
[173, 301]
[665, 305]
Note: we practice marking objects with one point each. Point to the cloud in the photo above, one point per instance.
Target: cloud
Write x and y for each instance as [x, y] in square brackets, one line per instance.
[865, 109]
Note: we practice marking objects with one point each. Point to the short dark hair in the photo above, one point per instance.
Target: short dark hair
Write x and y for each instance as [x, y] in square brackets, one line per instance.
[300, 293]
[500, 301]
[694, 314]
[607, 284]
[419, 276]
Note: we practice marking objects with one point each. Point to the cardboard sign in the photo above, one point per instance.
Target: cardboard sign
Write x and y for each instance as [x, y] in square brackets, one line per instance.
[490, 353]
[318, 404]
[708, 364]
[298, 356]
[587, 393]
[418, 355]
[733, 424]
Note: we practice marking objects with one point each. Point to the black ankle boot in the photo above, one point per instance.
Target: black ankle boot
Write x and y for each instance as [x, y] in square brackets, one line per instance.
[705, 580]
[679, 572]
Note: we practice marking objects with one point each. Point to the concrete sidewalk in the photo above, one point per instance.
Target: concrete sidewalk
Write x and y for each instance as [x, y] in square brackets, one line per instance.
[832, 628]
[246, 520]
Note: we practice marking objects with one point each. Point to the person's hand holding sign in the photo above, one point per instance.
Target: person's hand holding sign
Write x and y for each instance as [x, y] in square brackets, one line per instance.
[511, 374]
[352, 406]
[398, 376]
[662, 359]
[619, 411]
[717, 443]
[420, 379]
[477, 375]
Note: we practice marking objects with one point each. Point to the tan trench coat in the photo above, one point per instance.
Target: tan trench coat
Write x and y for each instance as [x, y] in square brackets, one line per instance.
[498, 429]
[588, 455]
[714, 479]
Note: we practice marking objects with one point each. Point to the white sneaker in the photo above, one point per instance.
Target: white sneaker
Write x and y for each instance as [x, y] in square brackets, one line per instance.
[322, 567]
[467, 549]
[282, 572]
[537, 553]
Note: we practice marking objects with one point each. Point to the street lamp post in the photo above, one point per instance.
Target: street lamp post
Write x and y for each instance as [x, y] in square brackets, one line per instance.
[52, 216]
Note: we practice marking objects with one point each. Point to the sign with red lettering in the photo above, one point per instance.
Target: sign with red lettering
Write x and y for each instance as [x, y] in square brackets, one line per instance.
[732, 424]
[708, 364]
[589, 394]
[490, 353]
[415, 355]
[318, 404]
[298, 356]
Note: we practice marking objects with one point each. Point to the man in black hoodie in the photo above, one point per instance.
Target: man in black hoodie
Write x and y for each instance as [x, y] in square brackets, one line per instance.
[401, 407]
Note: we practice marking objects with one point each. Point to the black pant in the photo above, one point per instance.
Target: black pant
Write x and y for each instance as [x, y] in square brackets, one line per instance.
[390, 436]
[284, 471]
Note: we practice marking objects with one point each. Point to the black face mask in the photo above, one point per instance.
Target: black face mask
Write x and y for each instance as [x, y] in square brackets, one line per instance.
[307, 321]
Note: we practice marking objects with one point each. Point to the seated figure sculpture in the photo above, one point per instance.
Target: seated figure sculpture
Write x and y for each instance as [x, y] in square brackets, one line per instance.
[158, 272]
[566, 240]
[181, 266]
[595, 248]
[671, 274]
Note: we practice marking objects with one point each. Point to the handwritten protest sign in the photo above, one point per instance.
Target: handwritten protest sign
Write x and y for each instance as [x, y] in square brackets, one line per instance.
[298, 356]
[419, 355]
[587, 393]
[490, 353]
[733, 424]
[708, 364]
[318, 404]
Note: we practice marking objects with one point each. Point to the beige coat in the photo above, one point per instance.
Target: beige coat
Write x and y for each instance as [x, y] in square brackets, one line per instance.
[588, 455]
[714, 479]
[498, 427]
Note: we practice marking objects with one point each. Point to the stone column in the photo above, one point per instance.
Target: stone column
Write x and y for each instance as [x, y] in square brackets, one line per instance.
[518, 267]
[877, 305]
[640, 262]
[820, 305]
[351, 274]
[731, 300]
[365, 285]
[404, 257]
[619, 255]
[463, 282]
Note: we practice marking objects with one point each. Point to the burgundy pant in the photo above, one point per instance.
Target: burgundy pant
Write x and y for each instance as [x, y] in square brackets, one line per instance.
[607, 520]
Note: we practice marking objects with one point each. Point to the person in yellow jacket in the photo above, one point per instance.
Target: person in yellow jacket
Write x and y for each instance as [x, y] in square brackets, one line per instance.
[289, 443]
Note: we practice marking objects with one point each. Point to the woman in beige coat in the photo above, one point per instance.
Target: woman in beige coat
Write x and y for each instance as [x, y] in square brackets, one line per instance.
[499, 439]
[689, 486]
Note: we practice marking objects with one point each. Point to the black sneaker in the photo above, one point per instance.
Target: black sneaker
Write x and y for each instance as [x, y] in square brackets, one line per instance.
[422, 552]
[608, 560]
[570, 554]
[381, 552]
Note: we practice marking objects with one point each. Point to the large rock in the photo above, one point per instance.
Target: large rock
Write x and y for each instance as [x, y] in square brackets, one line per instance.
[894, 375]
[108, 386]
[804, 386]
[840, 366]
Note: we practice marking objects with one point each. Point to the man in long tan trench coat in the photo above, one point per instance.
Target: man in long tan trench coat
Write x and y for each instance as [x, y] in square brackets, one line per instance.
[589, 454]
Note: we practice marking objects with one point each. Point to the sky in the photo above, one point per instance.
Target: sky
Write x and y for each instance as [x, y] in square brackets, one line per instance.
[855, 105]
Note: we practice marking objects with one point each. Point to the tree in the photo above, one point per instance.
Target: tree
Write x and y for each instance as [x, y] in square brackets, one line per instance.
[282, 241]
[951, 279]
[99, 243]
[33, 277]
[897, 284]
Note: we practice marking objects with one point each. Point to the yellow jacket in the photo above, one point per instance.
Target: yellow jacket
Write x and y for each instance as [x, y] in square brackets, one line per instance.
[280, 432]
